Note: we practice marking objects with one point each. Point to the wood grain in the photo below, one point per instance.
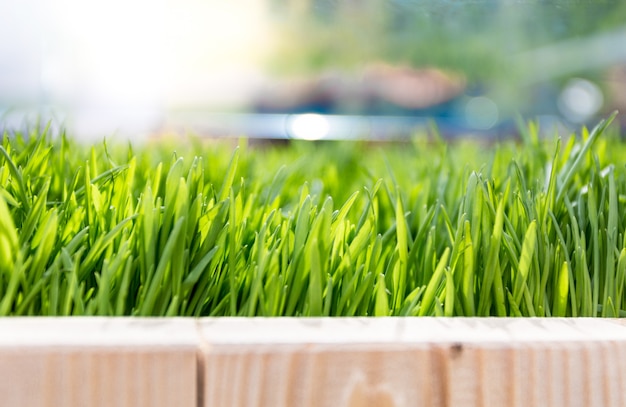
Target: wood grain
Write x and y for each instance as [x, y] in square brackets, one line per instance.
[458, 362]
[352, 362]
[97, 362]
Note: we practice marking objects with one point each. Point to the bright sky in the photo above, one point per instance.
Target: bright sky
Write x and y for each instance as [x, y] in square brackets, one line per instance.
[130, 53]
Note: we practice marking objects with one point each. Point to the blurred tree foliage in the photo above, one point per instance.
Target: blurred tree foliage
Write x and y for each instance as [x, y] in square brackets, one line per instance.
[478, 38]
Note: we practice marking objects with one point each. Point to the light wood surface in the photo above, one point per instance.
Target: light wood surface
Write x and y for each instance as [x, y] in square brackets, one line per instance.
[414, 362]
[79, 362]
[356, 362]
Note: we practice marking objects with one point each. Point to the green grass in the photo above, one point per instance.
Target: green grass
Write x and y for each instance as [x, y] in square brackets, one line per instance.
[530, 227]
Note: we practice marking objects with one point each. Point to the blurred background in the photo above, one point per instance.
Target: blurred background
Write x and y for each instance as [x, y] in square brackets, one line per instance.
[310, 69]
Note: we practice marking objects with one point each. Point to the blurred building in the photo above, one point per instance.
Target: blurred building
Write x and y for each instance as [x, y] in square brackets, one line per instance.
[377, 89]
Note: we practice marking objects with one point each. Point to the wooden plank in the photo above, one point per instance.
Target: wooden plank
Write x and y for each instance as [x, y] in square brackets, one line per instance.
[460, 362]
[353, 362]
[98, 362]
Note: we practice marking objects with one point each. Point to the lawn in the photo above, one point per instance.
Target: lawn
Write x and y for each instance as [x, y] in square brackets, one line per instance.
[521, 227]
